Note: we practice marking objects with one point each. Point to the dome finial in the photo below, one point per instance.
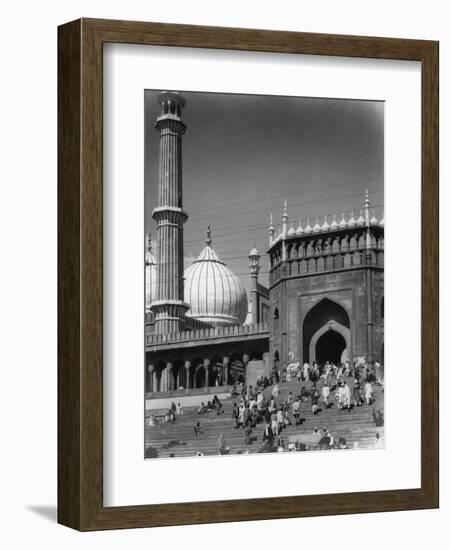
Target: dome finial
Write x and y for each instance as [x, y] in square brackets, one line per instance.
[208, 234]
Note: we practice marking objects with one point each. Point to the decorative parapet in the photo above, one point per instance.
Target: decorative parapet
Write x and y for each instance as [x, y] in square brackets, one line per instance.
[333, 250]
[333, 245]
[207, 333]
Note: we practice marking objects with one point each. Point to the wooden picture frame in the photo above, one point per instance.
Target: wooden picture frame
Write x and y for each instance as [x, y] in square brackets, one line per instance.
[80, 272]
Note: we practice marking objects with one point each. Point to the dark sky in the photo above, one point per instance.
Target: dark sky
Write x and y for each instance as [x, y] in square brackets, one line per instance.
[243, 155]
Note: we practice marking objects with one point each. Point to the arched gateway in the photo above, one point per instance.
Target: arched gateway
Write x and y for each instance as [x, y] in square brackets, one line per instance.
[326, 333]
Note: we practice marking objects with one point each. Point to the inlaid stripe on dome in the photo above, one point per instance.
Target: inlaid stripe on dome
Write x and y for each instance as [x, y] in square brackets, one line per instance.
[229, 293]
[206, 290]
[236, 295]
[215, 293]
[219, 277]
[192, 282]
[200, 270]
[244, 307]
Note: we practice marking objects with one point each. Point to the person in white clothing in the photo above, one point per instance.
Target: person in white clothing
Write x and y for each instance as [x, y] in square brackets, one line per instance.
[368, 393]
[280, 420]
[340, 396]
[346, 396]
[325, 394]
[306, 372]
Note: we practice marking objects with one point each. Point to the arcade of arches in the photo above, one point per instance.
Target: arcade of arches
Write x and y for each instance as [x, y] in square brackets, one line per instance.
[199, 372]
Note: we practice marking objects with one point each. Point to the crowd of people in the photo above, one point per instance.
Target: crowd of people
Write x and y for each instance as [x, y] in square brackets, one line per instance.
[345, 386]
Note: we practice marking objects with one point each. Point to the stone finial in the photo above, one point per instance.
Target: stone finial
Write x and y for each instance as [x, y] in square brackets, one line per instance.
[285, 219]
[208, 235]
[360, 220]
[351, 221]
[285, 213]
[343, 222]
[308, 228]
[271, 230]
[373, 219]
[367, 209]
[334, 223]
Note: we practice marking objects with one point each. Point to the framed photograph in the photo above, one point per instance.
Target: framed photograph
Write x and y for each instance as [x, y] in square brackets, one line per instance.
[248, 274]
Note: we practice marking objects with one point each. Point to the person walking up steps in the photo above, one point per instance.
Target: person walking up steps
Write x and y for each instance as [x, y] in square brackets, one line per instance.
[368, 393]
[326, 394]
[314, 400]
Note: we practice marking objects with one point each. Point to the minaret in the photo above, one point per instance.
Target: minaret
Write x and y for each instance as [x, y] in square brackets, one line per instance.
[254, 271]
[170, 308]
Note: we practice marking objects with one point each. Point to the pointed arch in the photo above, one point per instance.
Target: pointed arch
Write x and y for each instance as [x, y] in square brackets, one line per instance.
[333, 331]
[327, 314]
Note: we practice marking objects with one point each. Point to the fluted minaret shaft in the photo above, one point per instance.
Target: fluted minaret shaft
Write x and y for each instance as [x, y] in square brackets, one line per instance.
[254, 271]
[169, 307]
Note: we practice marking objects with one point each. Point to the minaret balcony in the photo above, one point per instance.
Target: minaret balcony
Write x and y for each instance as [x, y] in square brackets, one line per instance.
[169, 215]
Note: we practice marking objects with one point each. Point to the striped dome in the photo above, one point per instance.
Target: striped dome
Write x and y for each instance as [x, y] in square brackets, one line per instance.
[150, 276]
[214, 294]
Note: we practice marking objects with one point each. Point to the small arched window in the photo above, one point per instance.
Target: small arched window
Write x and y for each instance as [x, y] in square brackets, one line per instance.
[276, 319]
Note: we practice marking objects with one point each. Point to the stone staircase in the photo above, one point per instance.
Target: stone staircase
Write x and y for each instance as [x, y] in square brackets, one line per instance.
[356, 426]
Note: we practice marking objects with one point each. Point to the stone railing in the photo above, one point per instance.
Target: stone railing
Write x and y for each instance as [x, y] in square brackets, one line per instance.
[206, 333]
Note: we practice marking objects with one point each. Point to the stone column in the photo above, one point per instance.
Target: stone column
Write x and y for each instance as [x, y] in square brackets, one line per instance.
[245, 360]
[170, 380]
[162, 380]
[187, 366]
[206, 364]
[226, 362]
[169, 306]
[150, 370]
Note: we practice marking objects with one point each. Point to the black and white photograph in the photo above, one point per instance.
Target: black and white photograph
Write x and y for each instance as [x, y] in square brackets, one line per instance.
[264, 274]
[195, 198]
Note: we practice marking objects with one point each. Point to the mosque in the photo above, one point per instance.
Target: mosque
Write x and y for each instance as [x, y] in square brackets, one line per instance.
[324, 300]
